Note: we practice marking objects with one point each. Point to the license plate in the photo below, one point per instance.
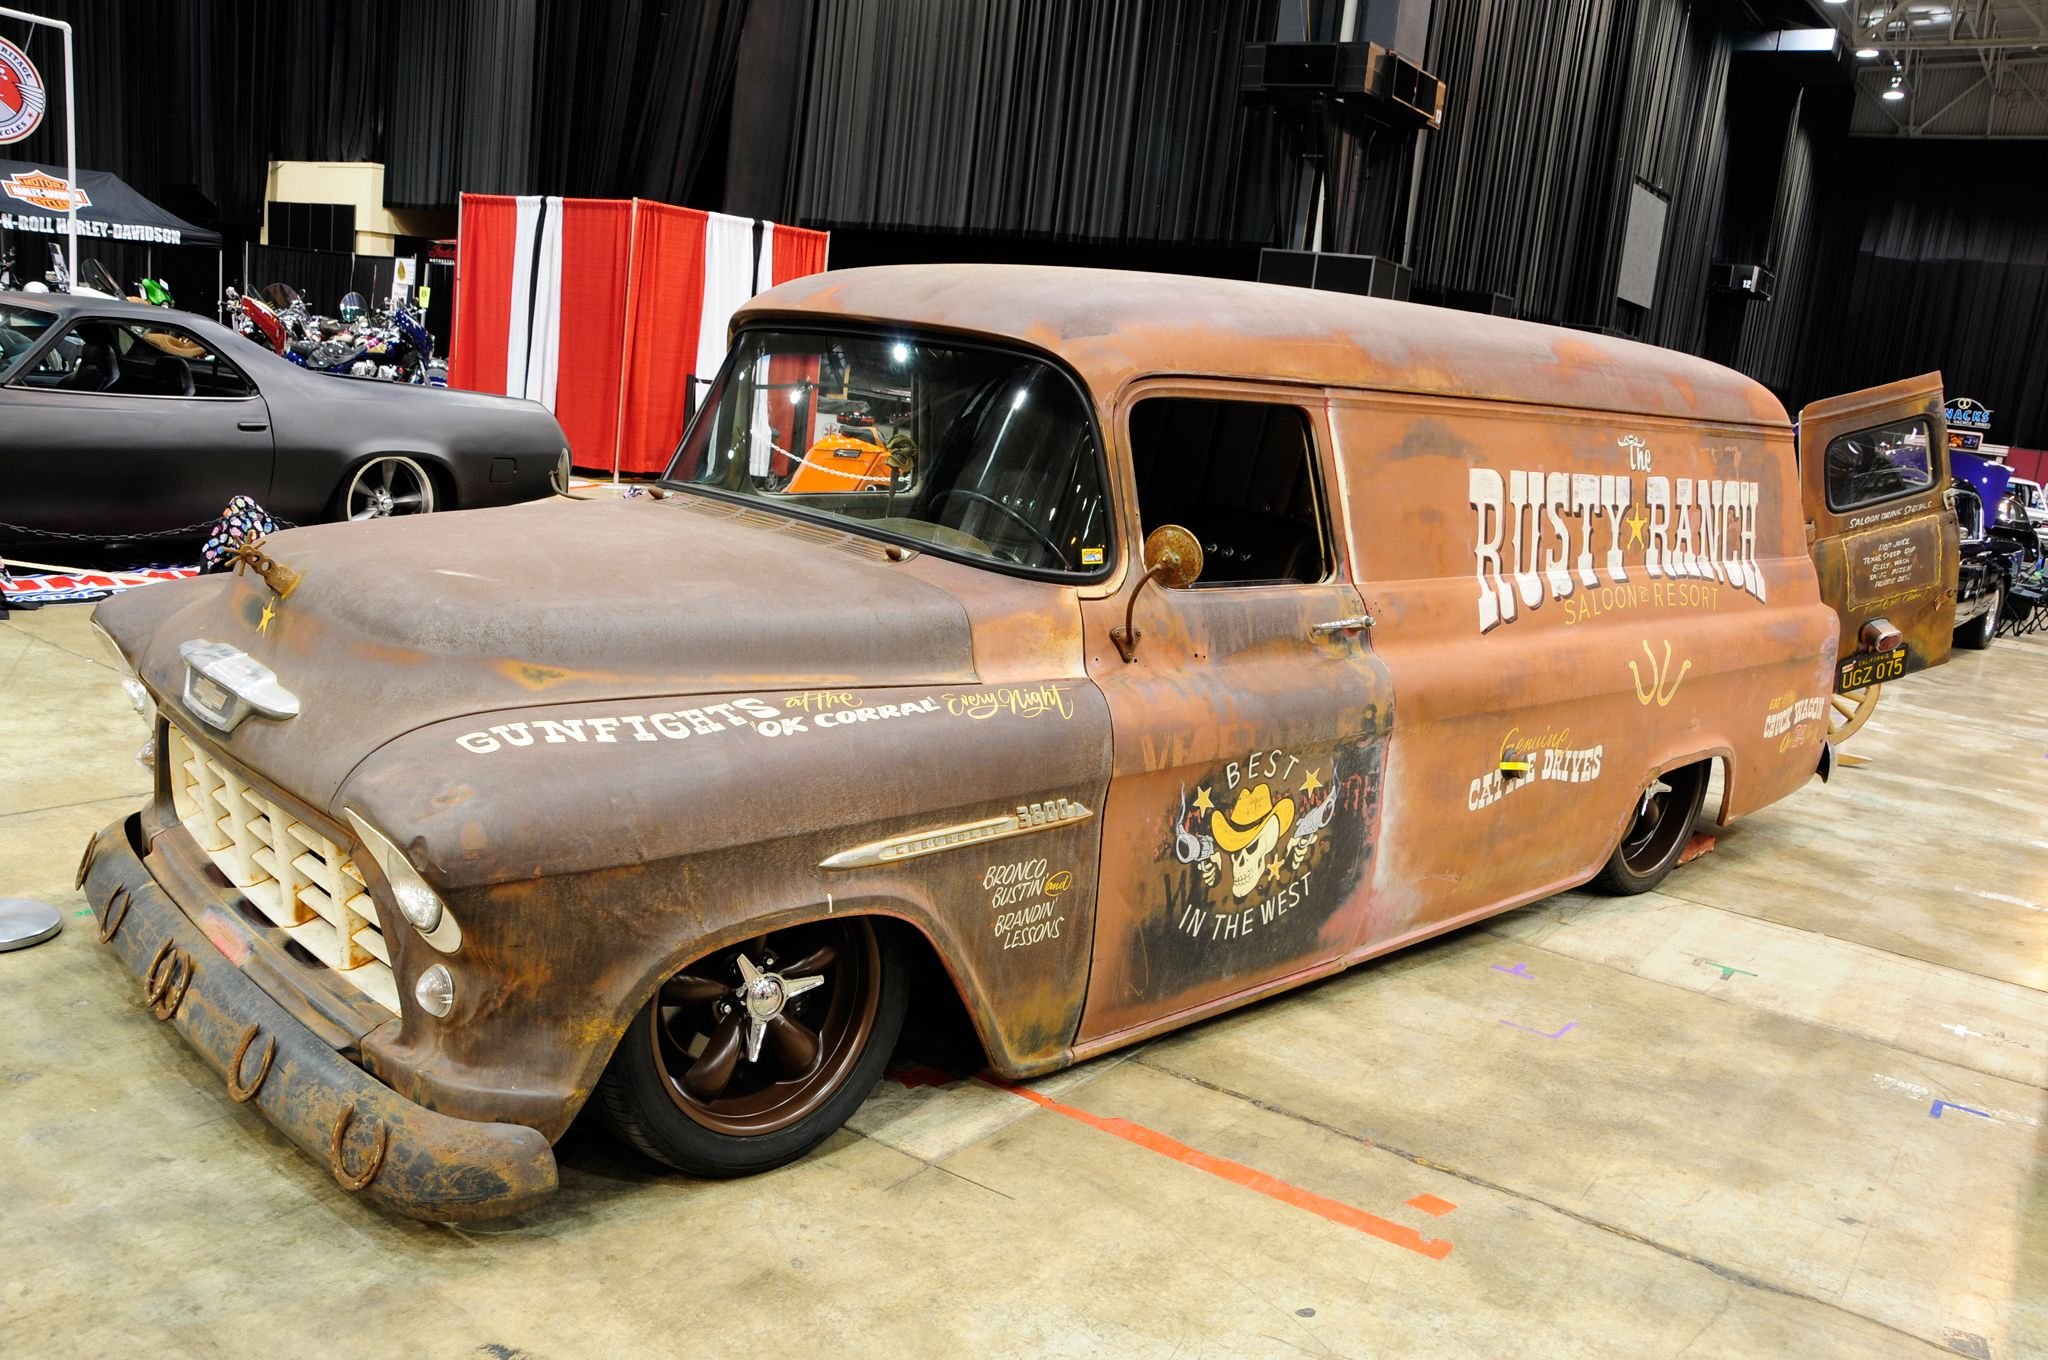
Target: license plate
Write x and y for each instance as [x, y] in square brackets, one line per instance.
[1870, 668]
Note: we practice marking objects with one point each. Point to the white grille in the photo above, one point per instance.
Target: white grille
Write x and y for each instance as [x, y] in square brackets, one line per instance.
[307, 885]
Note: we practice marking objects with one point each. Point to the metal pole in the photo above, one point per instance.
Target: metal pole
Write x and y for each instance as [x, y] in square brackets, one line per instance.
[70, 152]
[70, 128]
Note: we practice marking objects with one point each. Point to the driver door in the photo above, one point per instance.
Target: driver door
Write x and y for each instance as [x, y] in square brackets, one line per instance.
[1874, 477]
[1249, 724]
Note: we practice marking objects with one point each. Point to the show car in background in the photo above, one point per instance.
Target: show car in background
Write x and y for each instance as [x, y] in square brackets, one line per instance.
[127, 421]
[1999, 585]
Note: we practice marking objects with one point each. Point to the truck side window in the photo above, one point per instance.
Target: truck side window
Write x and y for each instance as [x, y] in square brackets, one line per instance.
[1240, 476]
[1878, 464]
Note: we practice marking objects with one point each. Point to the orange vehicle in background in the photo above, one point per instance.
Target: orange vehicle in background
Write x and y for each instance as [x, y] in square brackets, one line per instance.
[849, 458]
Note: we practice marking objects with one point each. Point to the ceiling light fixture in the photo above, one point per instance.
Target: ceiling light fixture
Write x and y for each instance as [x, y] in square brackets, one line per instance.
[1867, 54]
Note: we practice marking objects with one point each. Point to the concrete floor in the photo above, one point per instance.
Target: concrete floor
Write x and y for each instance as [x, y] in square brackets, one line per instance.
[1725, 1150]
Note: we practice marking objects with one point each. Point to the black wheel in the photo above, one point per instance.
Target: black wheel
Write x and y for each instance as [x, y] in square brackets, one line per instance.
[391, 484]
[1978, 632]
[752, 1056]
[1657, 832]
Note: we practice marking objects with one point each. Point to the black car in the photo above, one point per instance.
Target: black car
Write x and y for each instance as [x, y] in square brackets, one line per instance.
[123, 421]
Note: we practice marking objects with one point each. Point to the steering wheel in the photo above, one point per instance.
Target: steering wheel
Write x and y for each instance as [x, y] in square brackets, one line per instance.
[1058, 553]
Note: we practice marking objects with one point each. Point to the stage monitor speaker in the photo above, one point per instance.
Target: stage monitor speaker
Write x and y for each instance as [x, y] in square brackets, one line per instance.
[1365, 275]
[1468, 300]
[1752, 281]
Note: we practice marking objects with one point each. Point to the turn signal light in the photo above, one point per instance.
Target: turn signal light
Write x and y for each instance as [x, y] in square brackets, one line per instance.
[1879, 636]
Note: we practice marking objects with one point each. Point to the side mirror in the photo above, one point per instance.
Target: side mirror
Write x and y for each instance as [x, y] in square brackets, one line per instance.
[1172, 557]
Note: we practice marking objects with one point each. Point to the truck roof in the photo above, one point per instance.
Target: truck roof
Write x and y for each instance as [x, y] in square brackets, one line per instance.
[1112, 326]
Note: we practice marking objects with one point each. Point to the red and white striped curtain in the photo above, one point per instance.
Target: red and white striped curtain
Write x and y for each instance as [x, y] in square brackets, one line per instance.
[611, 313]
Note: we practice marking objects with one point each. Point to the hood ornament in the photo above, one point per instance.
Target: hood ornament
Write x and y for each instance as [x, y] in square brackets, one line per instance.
[279, 577]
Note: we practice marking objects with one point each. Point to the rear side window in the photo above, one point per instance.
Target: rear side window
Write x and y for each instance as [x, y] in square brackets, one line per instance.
[127, 359]
[1879, 464]
[1240, 476]
[20, 329]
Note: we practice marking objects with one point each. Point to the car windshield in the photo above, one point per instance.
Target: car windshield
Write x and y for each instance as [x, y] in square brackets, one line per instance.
[975, 452]
[20, 329]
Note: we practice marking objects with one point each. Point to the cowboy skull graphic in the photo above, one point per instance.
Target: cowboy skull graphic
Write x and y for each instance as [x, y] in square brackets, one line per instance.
[1249, 833]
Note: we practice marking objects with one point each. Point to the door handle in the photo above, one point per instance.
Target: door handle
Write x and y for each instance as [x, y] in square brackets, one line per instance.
[1351, 625]
[253, 426]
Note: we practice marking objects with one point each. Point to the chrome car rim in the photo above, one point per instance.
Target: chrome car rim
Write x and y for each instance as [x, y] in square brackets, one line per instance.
[390, 486]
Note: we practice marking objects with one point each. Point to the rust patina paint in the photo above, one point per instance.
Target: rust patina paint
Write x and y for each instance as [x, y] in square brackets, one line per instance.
[617, 736]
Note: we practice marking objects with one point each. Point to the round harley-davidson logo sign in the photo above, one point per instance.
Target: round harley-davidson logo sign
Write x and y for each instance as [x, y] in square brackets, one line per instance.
[21, 94]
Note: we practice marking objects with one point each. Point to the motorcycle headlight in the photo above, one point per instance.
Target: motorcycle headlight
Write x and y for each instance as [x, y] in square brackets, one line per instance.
[418, 903]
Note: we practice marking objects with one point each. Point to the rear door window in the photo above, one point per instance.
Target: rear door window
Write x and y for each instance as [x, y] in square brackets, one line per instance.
[1879, 464]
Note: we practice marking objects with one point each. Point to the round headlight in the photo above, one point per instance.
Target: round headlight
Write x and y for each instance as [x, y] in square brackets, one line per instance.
[435, 990]
[418, 902]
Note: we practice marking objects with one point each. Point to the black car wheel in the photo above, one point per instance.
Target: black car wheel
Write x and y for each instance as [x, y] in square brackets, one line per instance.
[1657, 832]
[386, 486]
[1978, 632]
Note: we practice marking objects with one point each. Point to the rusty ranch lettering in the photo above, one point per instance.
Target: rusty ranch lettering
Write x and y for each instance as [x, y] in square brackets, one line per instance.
[1523, 551]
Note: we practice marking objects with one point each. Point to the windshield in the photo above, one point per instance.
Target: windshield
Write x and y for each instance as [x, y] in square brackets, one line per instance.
[280, 296]
[979, 453]
[20, 328]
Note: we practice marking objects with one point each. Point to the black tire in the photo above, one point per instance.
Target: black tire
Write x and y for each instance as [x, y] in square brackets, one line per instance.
[407, 485]
[1978, 632]
[1657, 833]
[770, 1122]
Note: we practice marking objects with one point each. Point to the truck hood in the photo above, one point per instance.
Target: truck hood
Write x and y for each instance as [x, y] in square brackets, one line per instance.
[397, 624]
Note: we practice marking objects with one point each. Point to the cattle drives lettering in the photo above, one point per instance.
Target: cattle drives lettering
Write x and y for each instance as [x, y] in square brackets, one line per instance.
[1523, 544]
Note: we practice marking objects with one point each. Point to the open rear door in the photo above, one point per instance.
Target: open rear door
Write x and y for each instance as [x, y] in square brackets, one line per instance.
[1874, 477]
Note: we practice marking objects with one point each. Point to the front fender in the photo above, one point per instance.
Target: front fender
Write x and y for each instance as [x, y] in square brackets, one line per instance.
[590, 850]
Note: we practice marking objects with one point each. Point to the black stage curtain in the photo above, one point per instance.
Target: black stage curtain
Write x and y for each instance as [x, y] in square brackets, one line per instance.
[189, 102]
[1934, 255]
[1076, 119]
[1554, 113]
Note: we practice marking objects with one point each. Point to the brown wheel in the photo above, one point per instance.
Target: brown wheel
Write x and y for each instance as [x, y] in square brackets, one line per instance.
[1849, 711]
[751, 1056]
[1657, 832]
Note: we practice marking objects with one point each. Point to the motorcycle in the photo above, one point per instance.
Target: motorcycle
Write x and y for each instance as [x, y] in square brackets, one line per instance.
[410, 351]
[280, 321]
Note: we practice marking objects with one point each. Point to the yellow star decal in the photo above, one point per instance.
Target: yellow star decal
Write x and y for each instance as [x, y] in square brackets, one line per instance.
[269, 613]
[1312, 783]
[1273, 868]
[1635, 523]
[1202, 803]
